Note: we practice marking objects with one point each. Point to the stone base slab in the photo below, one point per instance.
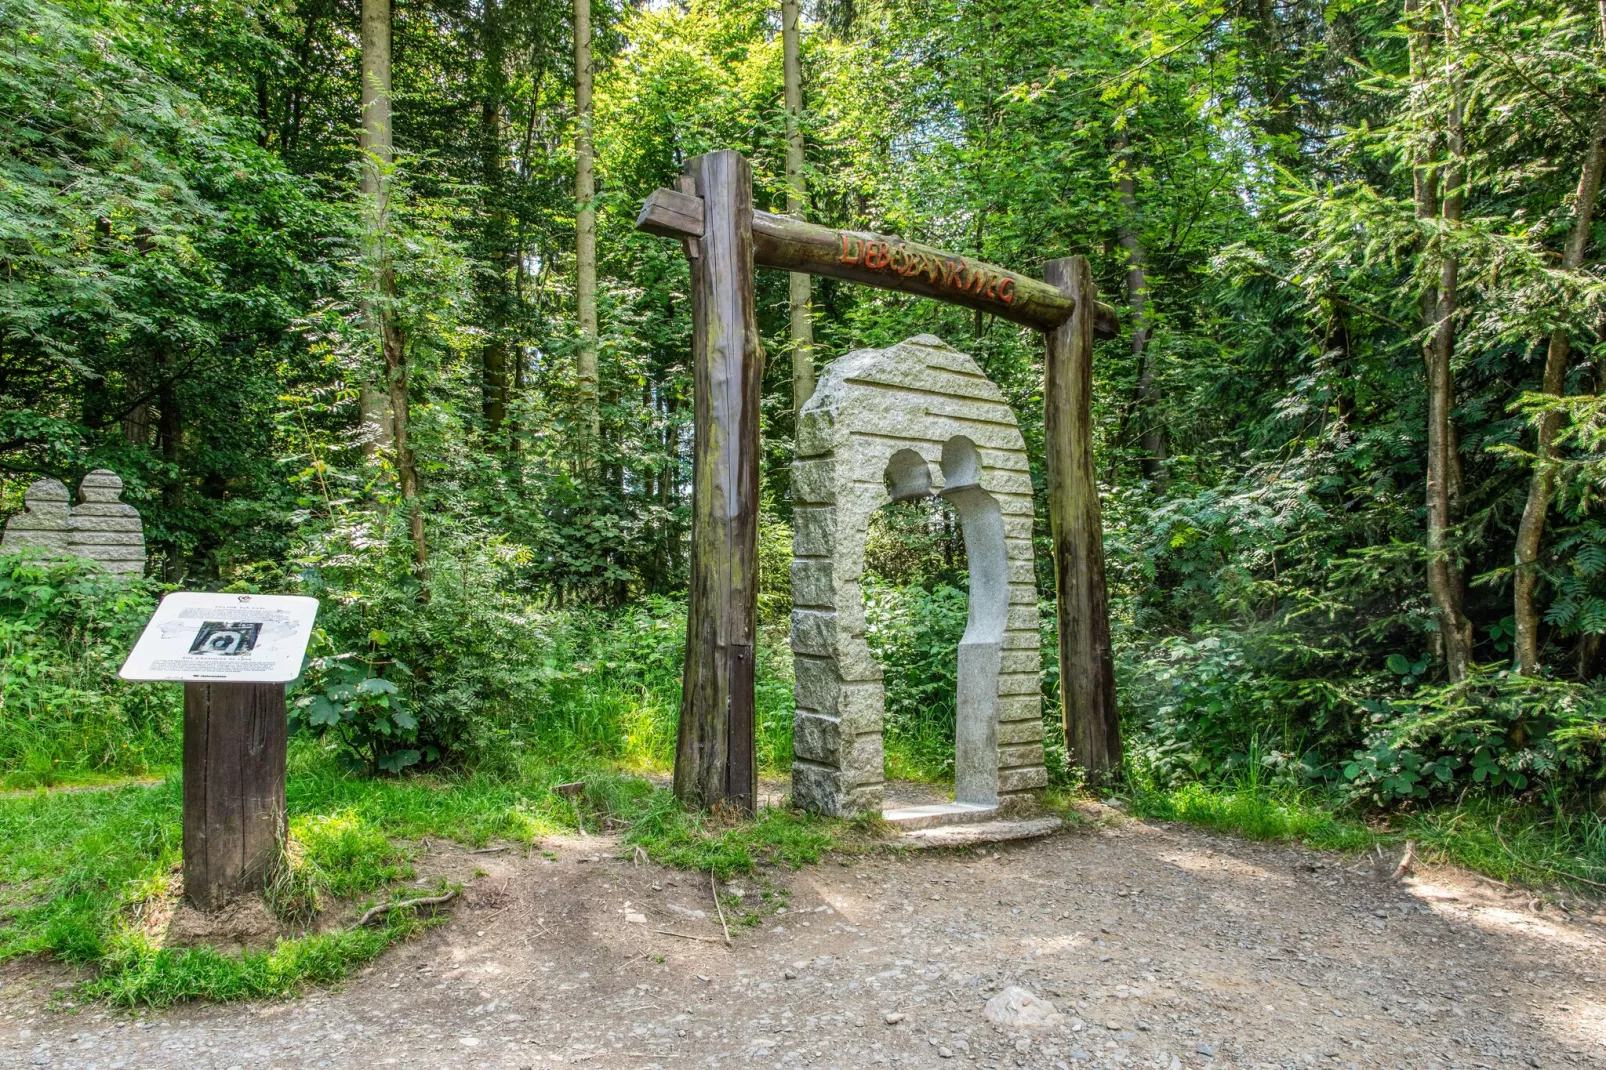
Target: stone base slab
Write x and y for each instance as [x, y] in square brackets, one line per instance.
[911, 818]
[985, 832]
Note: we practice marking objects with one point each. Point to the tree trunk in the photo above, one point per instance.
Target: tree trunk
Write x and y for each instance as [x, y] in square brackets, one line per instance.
[378, 155]
[375, 145]
[585, 223]
[170, 437]
[1540, 485]
[1152, 433]
[800, 299]
[493, 296]
[1445, 586]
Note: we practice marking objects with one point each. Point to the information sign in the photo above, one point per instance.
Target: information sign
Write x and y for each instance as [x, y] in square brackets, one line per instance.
[240, 638]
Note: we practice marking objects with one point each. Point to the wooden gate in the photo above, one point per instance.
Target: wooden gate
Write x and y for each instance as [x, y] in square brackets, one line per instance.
[711, 212]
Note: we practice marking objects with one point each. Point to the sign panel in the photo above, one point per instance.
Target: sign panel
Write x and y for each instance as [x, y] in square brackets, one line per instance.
[244, 638]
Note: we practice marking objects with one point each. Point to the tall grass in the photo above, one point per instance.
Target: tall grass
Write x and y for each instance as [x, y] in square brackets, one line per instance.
[65, 628]
[1536, 842]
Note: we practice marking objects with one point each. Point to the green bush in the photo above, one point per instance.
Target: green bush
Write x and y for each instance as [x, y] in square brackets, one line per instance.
[1496, 732]
[399, 676]
[1210, 706]
[65, 628]
[914, 633]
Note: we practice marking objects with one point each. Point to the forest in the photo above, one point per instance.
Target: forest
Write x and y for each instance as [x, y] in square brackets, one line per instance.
[350, 295]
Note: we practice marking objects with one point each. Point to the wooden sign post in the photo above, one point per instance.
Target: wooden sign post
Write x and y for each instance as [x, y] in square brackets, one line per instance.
[234, 654]
[234, 810]
[725, 238]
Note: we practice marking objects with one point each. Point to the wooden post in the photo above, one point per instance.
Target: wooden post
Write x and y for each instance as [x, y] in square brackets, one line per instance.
[715, 753]
[234, 809]
[1087, 667]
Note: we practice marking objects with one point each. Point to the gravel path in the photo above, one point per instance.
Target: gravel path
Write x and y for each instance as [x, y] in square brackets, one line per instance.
[1160, 946]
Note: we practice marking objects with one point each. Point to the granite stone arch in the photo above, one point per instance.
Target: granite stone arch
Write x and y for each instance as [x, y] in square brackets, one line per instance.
[913, 420]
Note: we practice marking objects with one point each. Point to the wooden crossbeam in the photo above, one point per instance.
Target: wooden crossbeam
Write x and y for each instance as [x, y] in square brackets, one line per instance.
[888, 263]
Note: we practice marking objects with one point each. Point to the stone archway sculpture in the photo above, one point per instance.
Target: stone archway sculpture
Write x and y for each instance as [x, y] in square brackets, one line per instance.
[916, 419]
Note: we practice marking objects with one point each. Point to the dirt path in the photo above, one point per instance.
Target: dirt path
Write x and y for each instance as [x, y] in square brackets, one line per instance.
[1161, 946]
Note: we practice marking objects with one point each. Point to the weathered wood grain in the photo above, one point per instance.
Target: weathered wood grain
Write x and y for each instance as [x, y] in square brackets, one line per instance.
[234, 806]
[882, 261]
[715, 755]
[1087, 666]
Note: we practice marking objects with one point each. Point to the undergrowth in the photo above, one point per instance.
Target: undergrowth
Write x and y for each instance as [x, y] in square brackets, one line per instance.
[1528, 842]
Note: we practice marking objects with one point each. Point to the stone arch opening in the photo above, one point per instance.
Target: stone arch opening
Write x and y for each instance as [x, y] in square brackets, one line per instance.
[977, 655]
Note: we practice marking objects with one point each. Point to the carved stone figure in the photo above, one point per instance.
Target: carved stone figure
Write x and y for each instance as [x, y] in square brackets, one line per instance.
[916, 419]
[100, 527]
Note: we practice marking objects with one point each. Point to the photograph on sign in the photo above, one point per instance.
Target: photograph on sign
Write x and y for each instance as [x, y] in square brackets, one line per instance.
[201, 636]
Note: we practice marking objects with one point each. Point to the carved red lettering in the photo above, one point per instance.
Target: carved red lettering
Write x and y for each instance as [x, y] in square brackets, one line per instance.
[852, 249]
[946, 266]
[913, 262]
[961, 279]
[1006, 290]
[895, 258]
[873, 256]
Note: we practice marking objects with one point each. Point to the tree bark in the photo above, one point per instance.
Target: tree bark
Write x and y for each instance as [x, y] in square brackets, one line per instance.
[1531, 531]
[1091, 721]
[800, 295]
[1151, 431]
[715, 756]
[585, 222]
[1445, 588]
[170, 437]
[375, 145]
[378, 155]
[494, 296]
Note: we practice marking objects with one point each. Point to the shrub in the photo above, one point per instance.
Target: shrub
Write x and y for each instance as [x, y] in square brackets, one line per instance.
[1496, 732]
[65, 628]
[914, 633]
[397, 677]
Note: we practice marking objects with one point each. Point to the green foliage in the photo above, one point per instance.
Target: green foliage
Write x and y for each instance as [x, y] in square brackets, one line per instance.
[1496, 732]
[136, 974]
[1223, 703]
[65, 628]
[400, 679]
[673, 836]
[914, 634]
[342, 699]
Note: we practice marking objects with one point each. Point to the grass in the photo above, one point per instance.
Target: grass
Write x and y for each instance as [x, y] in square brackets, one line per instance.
[136, 973]
[1527, 842]
[676, 837]
[80, 872]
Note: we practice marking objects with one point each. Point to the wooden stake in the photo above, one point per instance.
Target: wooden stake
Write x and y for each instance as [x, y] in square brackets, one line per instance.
[234, 809]
[1087, 667]
[715, 753]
